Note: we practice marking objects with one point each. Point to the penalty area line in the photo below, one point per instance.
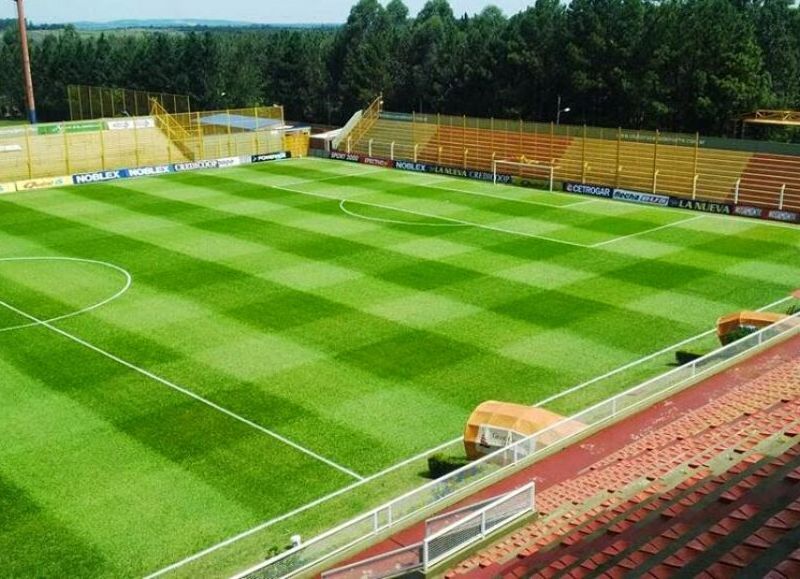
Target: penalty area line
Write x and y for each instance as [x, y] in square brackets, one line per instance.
[182, 390]
[652, 230]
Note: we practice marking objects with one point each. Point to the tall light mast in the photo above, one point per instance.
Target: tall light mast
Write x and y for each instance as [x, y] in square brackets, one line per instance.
[26, 62]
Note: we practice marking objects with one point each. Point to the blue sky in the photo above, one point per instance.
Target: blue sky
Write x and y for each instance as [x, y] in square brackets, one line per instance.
[42, 11]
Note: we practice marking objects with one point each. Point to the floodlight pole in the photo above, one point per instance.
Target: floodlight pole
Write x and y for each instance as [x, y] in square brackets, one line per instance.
[26, 61]
[560, 110]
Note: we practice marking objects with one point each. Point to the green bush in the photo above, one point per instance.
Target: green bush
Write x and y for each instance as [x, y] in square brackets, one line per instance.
[738, 334]
[683, 357]
[441, 464]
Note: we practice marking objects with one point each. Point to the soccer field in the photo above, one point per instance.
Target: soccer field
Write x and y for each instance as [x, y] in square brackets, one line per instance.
[187, 356]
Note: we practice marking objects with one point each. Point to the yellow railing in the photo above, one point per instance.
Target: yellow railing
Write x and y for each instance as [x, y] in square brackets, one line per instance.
[678, 164]
[96, 102]
[187, 141]
[369, 117]
[58, 149]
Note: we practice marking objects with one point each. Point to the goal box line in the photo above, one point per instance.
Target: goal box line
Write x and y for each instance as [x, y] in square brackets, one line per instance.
[548, 167]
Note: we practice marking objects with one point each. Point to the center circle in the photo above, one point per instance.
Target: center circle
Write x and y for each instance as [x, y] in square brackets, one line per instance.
[126, 286]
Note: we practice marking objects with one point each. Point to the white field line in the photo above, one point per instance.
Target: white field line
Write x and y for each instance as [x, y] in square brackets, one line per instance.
[125, 288]
[290, 514]
[436, 185]
[394, 221]
[587, 202]
[182, 390]
[433, 216]
[654, 229]
[358, 174]
[446, 178]
[422, 455]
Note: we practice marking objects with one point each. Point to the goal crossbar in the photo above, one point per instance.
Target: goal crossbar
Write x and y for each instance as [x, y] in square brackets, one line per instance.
[549, 167]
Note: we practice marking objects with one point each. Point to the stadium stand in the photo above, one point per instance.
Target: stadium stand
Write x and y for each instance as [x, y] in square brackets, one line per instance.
[766, 176]
[682, 165]
[106, 144]
[705, 481]
[63, 154]
[477, 148]
[711, 491]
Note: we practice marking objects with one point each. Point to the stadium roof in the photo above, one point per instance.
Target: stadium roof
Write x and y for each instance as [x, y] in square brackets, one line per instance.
[242, 122]
[771, 117]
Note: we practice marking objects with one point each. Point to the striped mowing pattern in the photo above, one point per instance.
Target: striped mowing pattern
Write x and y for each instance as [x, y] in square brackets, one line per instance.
[310, 342]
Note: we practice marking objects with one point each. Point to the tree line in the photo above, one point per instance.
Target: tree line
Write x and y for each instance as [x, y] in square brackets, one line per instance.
[678, 65]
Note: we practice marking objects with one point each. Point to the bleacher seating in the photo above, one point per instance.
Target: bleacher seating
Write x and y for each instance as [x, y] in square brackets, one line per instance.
[478, 148]
[765, 176]
[641, 161]
[713, 491]
[53, 155]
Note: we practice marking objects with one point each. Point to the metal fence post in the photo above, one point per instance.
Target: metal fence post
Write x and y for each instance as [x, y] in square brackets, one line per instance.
[66, 148]
[228, 112]
[583, 157]
[102, 150]
[136, 143]
[655, 162]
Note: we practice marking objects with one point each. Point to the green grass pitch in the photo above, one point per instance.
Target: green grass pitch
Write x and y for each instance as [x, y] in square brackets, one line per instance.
[275, 344]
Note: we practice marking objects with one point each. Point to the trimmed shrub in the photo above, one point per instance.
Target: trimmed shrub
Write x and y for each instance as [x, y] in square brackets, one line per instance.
[683, 357]
[738, 334]
[441, 464]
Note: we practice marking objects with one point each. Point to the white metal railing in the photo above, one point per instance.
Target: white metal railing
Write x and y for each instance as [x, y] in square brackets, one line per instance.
[439, 522]
[446, 542]
[347, 129]
[481, 472]
[445, 536]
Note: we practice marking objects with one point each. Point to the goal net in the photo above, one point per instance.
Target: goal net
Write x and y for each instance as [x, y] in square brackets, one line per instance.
[525, 169]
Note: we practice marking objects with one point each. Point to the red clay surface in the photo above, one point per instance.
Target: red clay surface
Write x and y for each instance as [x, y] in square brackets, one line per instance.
[567, 463]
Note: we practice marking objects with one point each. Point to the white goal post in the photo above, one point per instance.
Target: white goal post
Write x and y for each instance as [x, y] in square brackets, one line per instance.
[520, 166]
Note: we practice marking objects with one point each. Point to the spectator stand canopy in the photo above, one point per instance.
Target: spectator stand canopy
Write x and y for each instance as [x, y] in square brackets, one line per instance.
[242, 123]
